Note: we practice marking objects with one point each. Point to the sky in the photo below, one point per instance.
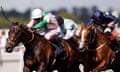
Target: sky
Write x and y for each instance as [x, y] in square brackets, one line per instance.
[23, 5]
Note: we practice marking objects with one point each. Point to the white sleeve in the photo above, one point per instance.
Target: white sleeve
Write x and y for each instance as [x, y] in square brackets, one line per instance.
[107, 30]
[68, 34]
[69, 24]
[30, 24]
[48, 17]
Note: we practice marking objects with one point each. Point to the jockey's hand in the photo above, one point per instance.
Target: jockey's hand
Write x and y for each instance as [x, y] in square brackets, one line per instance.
[33, 29]
[112, 37]
[108, 34]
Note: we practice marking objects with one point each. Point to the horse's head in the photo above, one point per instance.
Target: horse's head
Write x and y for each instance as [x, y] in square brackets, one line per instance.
[86, 36]
[14, 36]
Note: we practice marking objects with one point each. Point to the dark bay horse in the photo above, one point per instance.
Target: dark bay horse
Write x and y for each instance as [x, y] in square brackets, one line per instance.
[98, 53]
[40, 54]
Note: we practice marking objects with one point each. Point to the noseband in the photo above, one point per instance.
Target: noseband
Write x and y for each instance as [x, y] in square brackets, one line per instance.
[12, 42]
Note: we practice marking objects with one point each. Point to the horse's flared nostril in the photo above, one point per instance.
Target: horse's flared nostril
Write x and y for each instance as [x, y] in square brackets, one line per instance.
[8, 50]
[82, 49]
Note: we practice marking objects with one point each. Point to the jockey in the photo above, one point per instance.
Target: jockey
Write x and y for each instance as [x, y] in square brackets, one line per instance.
[67, 29]
[47, 23]
[104, 22]
[70, 27]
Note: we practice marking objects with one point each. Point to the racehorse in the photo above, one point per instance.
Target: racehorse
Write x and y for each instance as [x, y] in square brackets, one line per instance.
[39, 53]
[98, 53]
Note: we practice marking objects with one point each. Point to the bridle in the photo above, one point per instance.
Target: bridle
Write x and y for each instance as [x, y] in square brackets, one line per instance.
[100, 46]
[31, 38]
[12, 42]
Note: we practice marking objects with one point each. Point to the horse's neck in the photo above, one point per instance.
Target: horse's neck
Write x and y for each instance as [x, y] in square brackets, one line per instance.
[26, 36]
[101, 38]
[30, 41]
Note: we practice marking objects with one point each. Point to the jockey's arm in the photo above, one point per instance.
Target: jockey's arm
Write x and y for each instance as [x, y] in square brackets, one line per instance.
[44, 22]
[70, 28]
[31, 24]
[41, 24]
[68, 34]
[113, 18]
[90, 22]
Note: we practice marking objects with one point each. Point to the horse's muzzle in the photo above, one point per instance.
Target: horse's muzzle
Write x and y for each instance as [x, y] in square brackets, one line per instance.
[82, 49]
[9, 49]
[9, 46]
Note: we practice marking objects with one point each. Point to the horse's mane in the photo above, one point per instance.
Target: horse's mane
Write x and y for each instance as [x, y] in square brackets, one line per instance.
[21, 25]
[96, 30]
[99, 52]
[95, 33]
[100, 33]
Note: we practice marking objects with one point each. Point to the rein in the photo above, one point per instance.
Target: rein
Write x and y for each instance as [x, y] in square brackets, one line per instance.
[30, 39]
[102, 45]
[24, 42]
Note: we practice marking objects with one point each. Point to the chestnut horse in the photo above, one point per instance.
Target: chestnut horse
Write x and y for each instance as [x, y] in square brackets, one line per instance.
[96, 47]
[39, 53]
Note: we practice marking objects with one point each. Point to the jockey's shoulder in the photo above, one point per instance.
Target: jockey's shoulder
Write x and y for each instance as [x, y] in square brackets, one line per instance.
[103, 24]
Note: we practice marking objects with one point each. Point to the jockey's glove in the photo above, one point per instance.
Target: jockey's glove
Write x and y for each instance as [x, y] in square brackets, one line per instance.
[33, 29]
[110, 36]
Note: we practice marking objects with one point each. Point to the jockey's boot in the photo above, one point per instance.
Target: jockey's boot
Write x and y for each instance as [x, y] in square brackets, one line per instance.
[60, 50]
[116, 45]
[75, 43]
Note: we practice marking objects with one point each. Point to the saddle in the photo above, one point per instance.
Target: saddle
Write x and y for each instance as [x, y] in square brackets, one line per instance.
[59, 47]
[72, 40]
[115, 42]
[116, 45]
[57, 44]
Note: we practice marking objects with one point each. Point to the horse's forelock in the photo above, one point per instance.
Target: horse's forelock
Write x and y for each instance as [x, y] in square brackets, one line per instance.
[83, 25]
[17, 24]
[92, 27]
[14, 23]
[24, 26]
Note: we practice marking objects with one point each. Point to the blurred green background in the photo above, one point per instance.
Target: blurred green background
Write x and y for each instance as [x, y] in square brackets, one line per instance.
[79, 15]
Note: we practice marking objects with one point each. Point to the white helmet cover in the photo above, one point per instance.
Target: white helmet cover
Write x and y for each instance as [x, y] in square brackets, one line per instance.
[36, 13]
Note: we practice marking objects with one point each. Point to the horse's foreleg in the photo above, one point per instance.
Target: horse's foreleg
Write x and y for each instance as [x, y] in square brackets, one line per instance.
[101, 66]
[41, 67]
[26, 69]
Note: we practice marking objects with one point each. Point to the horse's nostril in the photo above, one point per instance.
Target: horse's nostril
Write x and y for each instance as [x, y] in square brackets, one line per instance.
[8, 49]
[82, 49]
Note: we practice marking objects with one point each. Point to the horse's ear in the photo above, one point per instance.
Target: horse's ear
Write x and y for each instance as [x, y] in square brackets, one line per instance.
[83, 25]
[77, 32]
[21, 25]
[11, 23]
[91, 26]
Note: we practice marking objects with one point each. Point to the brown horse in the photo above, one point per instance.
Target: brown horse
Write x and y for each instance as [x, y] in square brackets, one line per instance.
[96, 47]
[40, 54]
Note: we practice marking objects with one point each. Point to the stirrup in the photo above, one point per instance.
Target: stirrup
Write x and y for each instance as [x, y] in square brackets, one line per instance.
[117, 51]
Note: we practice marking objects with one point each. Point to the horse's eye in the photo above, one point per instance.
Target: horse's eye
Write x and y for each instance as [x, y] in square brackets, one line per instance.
[7, 39]
[9, 32]
[86, 41]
